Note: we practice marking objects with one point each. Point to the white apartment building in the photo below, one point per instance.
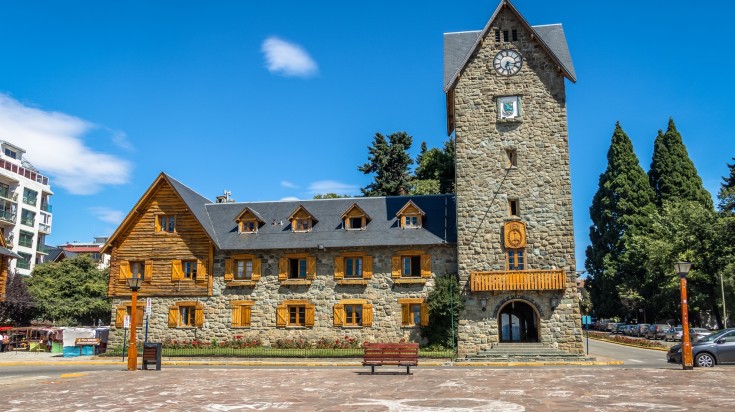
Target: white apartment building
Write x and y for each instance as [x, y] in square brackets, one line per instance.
[25, 212]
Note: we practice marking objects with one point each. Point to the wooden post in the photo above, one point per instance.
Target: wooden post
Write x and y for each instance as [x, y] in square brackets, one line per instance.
[686, 345]
[133, 349]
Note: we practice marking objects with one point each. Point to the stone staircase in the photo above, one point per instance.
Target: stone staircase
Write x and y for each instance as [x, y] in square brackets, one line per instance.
[526, 353]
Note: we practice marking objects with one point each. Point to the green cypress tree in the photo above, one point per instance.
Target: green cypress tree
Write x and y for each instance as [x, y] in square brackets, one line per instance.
[620, 209]
[672, 174]
[726, 195]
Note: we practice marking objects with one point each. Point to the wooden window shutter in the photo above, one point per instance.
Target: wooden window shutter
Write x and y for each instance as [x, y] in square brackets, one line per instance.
[425, 266]
[339, 267]
[281, 315]
[148, 270]
[283, 269]
[396, 263]
[199, 315]
[173, 316]
[367, 315]
[157, 220]
[245, 312]
[257, 266]
[309, 321]
[339, 315]
[140, 316]
[311, 268]
[120, 316]
[424, 314]
[367, 267]
[201, 269]
[228, 271]
[405, 314]
[177, 273]
[236, 315]
[124, 268]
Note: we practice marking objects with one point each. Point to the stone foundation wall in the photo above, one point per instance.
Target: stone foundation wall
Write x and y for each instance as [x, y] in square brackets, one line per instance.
[324, 292]
[559, 327]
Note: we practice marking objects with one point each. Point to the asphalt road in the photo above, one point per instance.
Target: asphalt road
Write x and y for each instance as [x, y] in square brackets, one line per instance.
[632, 357]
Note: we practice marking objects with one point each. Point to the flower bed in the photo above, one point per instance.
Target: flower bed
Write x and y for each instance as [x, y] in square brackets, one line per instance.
[626, 340]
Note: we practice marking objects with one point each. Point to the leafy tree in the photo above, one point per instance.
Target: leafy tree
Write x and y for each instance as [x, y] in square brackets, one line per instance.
[72, 292]
[726, 196]
[445, 303]
[389, 161]
[437, 165]
[329, 196]
[18, 306]
[620, 209]
[672, 174]
[424, 187]
[690, 231]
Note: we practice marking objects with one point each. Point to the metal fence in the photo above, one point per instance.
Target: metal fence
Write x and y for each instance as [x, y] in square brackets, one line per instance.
[269, 352]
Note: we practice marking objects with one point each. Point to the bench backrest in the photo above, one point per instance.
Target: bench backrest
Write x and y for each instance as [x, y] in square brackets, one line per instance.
[391, 350]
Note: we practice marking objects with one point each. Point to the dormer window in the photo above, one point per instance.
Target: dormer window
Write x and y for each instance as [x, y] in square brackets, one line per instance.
[410, 216]
[355, 218]
[248, 221]
[301, 220]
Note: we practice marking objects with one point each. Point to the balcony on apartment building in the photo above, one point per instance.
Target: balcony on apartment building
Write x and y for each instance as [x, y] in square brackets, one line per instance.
[22, 171]
[497, 281]
[7, 215]
[44, 228]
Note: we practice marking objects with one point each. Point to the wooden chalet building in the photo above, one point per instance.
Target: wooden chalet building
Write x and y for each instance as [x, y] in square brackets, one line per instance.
[363, 267]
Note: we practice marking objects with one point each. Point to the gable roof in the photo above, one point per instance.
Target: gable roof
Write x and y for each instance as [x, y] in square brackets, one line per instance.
[355, 206]
[439, 226]
[193, 200]
[459, 47]
[300, 208]
[409, 204]
[252, 212]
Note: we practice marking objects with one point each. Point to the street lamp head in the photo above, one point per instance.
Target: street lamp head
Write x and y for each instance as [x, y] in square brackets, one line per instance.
[134, 283]
[682, 268]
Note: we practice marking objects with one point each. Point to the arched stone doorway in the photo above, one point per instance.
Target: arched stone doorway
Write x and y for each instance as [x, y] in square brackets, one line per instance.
[518, 322]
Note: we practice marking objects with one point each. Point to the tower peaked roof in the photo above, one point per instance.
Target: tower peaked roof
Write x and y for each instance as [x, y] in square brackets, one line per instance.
[459, 47]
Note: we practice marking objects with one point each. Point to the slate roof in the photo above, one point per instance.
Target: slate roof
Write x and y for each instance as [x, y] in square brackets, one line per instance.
[458, 46]
[218, 219]
[8, 252]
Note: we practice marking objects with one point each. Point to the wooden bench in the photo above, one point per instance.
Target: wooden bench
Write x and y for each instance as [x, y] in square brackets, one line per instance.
[152, 354]
[399, 354]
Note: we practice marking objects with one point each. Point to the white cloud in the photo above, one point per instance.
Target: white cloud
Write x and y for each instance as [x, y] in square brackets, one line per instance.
[287, 58]
[120, 139]
[289, 199]
[108, 215]
[54, 145]
[287, 184]
[331, 186]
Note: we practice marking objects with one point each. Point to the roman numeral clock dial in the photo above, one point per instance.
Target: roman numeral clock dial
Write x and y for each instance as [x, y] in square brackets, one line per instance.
[507, 62]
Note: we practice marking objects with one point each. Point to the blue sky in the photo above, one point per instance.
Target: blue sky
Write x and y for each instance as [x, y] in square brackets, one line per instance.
[275, 100]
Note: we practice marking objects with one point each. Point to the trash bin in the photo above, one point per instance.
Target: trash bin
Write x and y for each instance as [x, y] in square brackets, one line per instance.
[152, 354]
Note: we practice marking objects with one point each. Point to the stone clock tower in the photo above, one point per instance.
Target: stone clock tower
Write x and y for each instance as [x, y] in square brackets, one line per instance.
[506, 104]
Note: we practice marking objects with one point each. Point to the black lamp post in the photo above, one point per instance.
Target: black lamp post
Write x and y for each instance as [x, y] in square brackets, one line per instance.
[682, 268]
[134, 283]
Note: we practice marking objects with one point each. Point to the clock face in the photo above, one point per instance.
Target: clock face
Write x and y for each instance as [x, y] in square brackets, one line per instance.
[507, 62]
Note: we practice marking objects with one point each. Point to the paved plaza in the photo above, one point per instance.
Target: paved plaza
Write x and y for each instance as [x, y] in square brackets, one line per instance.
[591, 388]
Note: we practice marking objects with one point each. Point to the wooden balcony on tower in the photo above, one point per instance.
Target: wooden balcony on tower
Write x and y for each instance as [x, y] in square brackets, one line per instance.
[518, 280]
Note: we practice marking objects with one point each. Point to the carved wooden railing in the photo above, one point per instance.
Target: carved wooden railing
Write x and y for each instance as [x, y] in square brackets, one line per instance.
[518, 280]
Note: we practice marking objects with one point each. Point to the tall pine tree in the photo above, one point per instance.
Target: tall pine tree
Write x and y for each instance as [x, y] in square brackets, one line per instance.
[726, 195]
[672, 174]
[620, 209]
[389, 161]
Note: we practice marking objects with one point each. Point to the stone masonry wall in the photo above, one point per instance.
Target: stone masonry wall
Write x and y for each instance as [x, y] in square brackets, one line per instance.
[324, 292]
[540, 182]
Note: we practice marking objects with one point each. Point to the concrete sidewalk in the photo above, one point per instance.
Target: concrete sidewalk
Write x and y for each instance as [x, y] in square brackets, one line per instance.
[433, 389]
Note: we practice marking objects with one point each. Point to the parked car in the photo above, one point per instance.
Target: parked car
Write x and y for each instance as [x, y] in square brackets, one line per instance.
[641, 331]
[621, 328]
[714, 349]
[698, 333]
[611, 327]
[673, 334]
[630, 330]
[656, 331]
